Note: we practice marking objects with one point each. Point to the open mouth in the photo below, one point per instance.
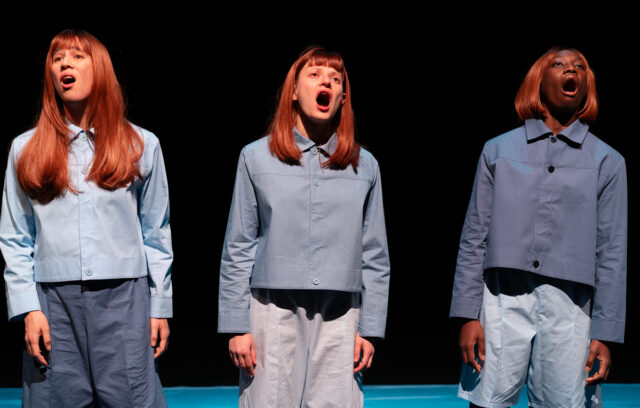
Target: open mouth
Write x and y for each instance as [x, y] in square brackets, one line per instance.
[570, 86]
[67, 81]
[323, 99]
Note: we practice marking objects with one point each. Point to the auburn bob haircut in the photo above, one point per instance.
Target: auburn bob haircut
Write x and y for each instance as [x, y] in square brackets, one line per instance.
[42, 168]
[528, 103]
[282, 143]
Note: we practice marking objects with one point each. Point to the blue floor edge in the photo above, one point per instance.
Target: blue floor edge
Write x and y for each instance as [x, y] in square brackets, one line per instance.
[375, 396]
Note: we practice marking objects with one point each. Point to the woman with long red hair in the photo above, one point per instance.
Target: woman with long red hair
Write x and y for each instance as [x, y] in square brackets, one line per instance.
[305, 269]
[540, 281]
[86, 239]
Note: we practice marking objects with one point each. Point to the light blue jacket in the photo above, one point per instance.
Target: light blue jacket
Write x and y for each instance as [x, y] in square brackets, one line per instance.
[96, 234]
[554, 206]
[304, 227]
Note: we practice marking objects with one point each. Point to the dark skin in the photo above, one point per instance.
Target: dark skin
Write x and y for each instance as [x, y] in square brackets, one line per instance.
[562, 91]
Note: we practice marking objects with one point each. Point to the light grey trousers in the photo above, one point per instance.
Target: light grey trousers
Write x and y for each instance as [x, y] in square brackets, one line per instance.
[304, 348]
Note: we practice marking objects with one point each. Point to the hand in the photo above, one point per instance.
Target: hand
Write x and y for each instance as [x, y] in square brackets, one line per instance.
[159, 335]
[242, 350]
[598, 350]
[36, 325]
[471, 334]
[362, 354]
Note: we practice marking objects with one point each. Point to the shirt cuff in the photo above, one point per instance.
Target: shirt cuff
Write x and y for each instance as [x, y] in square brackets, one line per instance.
[234, 321]
[607, 330]
[465, 307]
[161, 307]
[19, 303]
[372, 326]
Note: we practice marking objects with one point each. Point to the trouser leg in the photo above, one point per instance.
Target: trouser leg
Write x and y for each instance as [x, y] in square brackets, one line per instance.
[330, 381]
[300, 362]
[66, 381]
[119, 350]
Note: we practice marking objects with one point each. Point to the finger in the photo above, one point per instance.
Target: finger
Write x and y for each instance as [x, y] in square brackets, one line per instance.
[359, 366]
[234, 358]
[253, 356]
[370, 358]
[34, 346]
[595, 379]
[471, 358]
[247, 363]
[357, 351]
[164, 342]
[590, 360]
[481, 348]
[154, 336]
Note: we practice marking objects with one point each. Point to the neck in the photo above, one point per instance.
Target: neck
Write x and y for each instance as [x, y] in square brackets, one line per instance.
[319, 133]
[558, 121]
[77, 114]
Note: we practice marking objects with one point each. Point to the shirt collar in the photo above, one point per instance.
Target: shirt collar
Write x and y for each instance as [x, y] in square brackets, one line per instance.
[75, 131]
[305, 144]
[575, 133]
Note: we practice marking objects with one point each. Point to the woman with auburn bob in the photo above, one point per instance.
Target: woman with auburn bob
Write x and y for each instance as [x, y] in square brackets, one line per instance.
[541, 275]
[305, 269]
[86, 240]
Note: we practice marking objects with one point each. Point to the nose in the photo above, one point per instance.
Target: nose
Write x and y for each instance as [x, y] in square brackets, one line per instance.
[571, 68]
[65, 62]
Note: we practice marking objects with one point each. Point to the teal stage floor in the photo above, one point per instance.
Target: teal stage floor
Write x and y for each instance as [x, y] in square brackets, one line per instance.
[375, 396]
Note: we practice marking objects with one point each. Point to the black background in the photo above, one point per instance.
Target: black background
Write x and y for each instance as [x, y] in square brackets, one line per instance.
[429, 87]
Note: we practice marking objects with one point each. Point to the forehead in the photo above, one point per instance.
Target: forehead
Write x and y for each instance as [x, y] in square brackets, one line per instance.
[568, 54]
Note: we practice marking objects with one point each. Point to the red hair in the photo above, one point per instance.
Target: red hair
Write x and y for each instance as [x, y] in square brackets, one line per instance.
[42, 168]
[282, 143]
[528, 103]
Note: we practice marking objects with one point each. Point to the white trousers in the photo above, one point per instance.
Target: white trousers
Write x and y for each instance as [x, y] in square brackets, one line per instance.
[537, 330]
[304, 348]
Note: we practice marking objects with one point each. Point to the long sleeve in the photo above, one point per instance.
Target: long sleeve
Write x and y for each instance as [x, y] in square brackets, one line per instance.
[468, 284]
[609, 302]
[17, 239]
[375, 265]
[156, 234]
[238, 255]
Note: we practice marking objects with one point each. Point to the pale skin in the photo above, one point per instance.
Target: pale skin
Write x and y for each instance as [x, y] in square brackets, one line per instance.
[314, 122]
[75, 62]
[561, 110]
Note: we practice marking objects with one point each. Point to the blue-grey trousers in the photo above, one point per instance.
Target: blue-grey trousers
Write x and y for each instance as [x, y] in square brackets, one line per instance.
[100, 347]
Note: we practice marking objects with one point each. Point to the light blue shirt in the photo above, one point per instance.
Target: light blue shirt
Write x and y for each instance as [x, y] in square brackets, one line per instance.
[552, 205]
[95, 234]
[304, 227]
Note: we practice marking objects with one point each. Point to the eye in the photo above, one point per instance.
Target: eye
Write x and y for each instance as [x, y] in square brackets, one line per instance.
[580, 66]
[57, 59]
[78, 56]
[337, 80]
[557, 64]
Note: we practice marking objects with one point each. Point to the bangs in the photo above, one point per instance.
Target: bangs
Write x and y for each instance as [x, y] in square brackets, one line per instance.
[327, 60]
[70, 39]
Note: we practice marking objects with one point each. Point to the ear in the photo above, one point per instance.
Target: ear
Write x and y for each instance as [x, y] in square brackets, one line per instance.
[295, 92]
[344, 96]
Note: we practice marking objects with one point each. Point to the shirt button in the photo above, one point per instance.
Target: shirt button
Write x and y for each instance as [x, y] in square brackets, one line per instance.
[551, 169]
[314, 150]
[552, 139]
[89, 272]
[536, 264]
[316, 281]
[316, 182]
